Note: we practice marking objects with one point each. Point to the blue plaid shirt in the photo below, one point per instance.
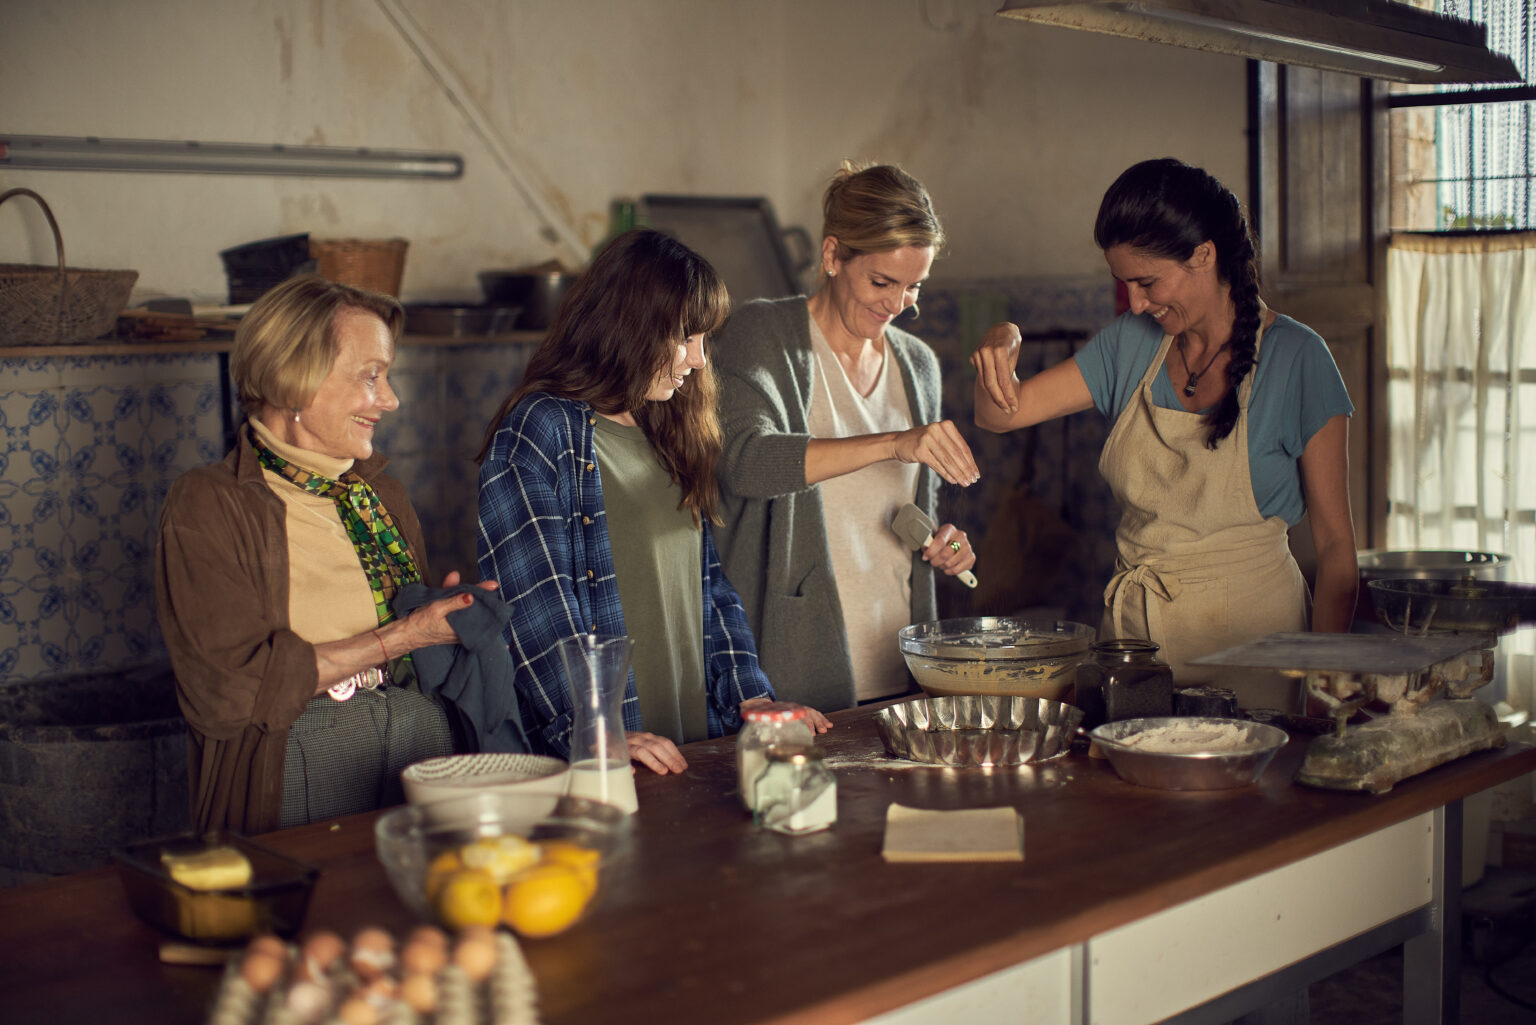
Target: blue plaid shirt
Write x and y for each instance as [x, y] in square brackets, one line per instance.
[544, 537]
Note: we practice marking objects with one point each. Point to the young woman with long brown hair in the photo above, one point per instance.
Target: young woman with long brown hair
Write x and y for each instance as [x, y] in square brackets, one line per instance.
[597, 495]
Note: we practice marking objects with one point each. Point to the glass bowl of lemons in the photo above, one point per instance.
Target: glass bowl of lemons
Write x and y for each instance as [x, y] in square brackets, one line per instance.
[531, 862]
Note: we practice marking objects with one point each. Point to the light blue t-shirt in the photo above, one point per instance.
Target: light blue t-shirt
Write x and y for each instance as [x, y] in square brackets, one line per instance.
[1296, 390]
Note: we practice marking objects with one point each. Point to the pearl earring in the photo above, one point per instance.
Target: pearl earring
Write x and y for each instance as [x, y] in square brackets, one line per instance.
[295, 416]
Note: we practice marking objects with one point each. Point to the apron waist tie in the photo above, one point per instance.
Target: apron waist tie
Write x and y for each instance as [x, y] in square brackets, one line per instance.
[1150, 581]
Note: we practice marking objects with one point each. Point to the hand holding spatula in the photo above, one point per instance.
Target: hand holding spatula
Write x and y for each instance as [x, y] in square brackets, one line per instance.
[914, 527]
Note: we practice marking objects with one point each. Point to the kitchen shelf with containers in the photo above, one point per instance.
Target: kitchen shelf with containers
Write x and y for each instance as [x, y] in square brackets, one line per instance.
[176, 327]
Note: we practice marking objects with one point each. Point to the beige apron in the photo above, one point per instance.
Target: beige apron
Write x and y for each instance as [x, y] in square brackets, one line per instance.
[1199, 568]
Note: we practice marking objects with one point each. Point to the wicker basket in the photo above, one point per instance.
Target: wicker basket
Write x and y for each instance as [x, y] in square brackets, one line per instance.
[376, 264]
[58, 305]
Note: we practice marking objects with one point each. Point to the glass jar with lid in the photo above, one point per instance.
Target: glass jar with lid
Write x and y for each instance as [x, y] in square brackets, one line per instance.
[1123, 679]
[796, 792]
[772, 724]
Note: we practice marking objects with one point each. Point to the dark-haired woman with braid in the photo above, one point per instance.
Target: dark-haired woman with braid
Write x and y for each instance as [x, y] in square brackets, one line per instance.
[1230, 423]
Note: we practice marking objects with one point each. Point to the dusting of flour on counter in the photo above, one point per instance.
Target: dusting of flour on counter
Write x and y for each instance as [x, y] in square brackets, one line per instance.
[1182, 739]
[873, 761]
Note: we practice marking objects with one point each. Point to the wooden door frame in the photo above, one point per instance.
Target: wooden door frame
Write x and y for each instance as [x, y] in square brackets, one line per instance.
[1266, 187]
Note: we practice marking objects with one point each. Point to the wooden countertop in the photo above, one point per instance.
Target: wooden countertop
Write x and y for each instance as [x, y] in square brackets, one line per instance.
[704, 918]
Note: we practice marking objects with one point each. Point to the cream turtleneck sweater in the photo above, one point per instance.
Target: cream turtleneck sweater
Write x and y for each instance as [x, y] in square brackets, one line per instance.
[328, 594]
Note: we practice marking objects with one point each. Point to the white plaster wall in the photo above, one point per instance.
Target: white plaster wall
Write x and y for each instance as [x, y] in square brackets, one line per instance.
[1016, 129]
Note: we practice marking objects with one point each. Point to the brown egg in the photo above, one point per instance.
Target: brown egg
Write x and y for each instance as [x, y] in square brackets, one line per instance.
[268, 943]
[419, 992]
[261, 969]
[422, 957]
[429, 934]
[475, 955]
[357, 1011]
[373, 953]
[322, 948]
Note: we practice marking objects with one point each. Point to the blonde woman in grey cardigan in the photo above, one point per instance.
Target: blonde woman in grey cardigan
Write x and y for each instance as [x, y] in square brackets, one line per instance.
[831, 422]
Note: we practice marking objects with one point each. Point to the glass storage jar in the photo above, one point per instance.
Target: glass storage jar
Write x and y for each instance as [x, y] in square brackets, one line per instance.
[796, 792]
[774, 724]
[1123, 679]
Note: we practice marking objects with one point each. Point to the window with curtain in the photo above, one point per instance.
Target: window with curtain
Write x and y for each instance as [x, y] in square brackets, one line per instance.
[1461, 322]
[1464, 156]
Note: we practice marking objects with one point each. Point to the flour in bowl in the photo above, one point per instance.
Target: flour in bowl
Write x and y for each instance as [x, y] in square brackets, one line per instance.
[1193, 738]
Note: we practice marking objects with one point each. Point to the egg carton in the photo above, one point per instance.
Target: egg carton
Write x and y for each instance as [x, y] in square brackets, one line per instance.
[487, 982]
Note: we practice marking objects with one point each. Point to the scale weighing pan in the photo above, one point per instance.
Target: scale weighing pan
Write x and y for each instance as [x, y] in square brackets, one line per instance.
[1365, 654]
[1468, 605]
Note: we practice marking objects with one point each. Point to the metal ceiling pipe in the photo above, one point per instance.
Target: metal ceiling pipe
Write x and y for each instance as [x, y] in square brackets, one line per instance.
[63, 153]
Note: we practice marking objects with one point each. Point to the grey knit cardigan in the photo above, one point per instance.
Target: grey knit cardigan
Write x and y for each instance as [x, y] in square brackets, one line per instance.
[773, 544]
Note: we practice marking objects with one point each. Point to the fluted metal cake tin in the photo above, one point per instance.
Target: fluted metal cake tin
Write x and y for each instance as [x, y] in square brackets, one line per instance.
[978, 729]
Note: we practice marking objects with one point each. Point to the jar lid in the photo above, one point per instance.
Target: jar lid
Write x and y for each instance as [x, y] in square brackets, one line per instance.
[795, 753]
[775, 711]
[1124, 646]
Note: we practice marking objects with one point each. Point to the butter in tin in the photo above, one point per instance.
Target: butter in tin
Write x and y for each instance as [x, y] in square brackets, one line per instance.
[274, 899]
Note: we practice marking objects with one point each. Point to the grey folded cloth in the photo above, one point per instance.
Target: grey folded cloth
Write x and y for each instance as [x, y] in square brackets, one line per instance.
[474, 676]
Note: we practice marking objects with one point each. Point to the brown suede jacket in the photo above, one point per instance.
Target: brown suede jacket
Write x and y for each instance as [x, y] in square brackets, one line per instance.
[242, 674]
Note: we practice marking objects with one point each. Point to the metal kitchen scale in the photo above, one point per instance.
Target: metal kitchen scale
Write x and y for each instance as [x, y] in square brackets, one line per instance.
[1418, 681]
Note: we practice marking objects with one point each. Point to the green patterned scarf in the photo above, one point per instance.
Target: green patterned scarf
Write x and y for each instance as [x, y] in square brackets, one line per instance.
[386, 561]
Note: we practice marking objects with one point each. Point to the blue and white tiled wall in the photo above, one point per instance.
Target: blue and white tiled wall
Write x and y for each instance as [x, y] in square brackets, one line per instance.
[88, 447]
[447, 398]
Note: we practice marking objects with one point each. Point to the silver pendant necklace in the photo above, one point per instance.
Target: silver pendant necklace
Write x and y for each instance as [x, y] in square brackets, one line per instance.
[1195, 375]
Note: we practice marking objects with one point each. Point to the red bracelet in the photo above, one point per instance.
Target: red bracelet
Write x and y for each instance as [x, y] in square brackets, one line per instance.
[382, 650]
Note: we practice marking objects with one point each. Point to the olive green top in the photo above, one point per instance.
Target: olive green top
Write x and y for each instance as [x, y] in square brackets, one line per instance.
[657, 550]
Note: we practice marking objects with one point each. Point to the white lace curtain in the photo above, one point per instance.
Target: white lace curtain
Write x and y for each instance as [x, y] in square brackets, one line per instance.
[1461, 400]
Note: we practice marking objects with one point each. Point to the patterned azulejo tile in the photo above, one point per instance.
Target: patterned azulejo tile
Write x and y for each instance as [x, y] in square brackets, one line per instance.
[85, 459]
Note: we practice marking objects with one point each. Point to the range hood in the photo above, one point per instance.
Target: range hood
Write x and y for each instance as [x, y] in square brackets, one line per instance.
[1370, 38]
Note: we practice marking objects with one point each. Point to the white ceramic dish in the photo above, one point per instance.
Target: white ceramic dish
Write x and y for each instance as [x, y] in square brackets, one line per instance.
[438, 779]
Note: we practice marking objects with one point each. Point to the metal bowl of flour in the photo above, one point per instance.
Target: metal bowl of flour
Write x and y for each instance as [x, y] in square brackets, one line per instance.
[1189, 752]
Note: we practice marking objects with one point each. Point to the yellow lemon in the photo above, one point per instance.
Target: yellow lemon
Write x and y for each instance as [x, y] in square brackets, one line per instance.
[469, 896]
[442, 866]
[502, 856]
[545, 899]
[583, 860]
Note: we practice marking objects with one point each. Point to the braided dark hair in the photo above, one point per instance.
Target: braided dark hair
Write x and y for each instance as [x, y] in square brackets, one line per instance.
[1167, 208]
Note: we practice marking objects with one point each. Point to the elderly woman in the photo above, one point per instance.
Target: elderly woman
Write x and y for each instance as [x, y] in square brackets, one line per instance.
[276, 571]
[831, 421]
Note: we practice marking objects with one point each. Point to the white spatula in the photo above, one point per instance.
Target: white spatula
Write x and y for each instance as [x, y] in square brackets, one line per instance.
[914, 527]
